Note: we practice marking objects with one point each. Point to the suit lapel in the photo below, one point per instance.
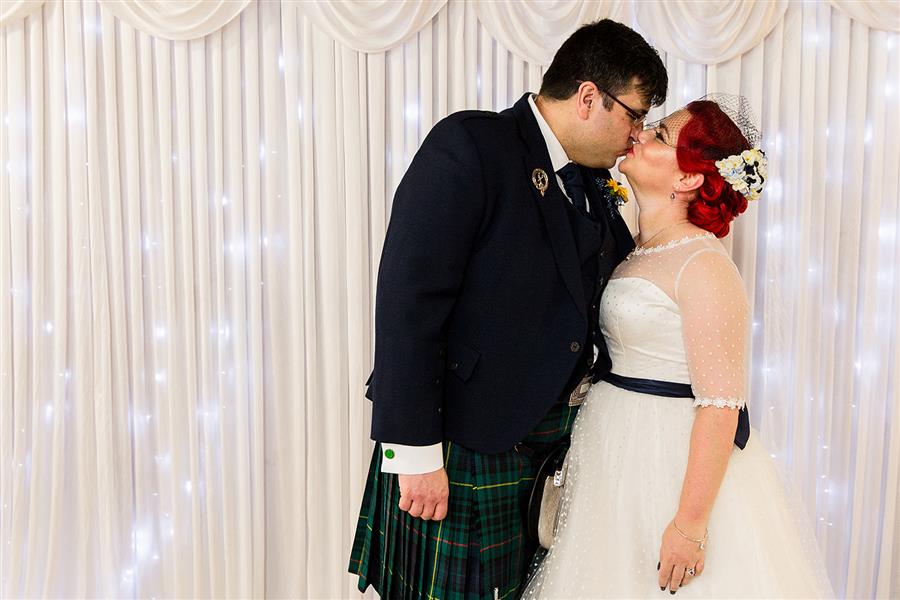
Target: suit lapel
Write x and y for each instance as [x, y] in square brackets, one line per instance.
[617, 225]
[551, 204]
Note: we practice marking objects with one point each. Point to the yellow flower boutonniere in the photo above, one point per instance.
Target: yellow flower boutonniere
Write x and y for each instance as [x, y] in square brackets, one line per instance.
[618, 191]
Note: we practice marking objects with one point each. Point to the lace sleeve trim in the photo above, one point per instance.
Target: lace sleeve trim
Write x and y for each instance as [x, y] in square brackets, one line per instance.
[735, 403]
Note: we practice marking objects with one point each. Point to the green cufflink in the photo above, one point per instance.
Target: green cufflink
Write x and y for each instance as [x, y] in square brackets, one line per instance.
[389, 454]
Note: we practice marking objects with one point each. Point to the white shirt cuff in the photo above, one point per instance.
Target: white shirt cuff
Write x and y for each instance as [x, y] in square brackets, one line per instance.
[411, 460]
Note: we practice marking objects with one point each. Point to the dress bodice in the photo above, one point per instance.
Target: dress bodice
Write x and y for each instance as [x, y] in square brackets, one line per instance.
[642, 327]
[679, 313]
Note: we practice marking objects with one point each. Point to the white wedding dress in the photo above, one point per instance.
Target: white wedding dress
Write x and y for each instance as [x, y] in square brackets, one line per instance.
[673, 313]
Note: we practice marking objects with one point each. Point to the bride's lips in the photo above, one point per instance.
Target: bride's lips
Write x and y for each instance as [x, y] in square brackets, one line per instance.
[630, 152]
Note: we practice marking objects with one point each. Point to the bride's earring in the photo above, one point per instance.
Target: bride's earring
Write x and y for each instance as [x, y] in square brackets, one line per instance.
[672, 196]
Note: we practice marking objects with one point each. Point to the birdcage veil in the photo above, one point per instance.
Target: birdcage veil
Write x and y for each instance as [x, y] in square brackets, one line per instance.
[746, 171]
[741, 114]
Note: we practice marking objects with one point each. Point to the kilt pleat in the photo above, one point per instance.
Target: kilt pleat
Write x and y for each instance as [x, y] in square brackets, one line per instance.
[479, 551]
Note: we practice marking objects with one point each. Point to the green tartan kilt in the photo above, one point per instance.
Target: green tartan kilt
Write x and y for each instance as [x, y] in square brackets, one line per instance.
[480, 550]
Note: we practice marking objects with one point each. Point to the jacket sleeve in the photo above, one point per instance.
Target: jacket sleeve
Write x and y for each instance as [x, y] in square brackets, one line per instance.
[435, 220]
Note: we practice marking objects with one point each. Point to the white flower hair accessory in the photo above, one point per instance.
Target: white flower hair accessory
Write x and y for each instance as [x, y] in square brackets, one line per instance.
[746, 172]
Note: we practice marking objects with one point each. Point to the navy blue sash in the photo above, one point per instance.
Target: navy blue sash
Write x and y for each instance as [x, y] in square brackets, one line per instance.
[669, 389]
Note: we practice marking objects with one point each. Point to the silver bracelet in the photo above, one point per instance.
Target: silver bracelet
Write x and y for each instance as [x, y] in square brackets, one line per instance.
[702, 542]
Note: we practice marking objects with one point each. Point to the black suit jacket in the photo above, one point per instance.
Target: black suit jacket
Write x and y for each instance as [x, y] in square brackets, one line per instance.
[480, 311]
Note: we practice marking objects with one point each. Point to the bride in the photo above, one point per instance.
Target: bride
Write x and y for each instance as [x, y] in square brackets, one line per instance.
[666, 489]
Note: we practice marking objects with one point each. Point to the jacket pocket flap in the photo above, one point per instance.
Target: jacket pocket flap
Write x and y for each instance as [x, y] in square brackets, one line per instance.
[461, 360]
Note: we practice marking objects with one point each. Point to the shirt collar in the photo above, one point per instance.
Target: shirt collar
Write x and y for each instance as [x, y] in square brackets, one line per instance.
[558, 156]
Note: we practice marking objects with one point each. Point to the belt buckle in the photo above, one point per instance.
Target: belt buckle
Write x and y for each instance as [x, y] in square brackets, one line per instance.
[576, 398]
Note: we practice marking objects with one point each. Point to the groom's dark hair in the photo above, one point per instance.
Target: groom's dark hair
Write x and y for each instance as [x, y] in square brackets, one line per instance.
[610, 55]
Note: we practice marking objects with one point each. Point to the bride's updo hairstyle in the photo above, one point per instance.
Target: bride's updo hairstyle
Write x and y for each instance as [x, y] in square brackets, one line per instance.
[709, 136]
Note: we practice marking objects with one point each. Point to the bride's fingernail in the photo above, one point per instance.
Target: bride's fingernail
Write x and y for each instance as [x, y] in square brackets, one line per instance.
[657, 566]
[662, 588]
[673, 593]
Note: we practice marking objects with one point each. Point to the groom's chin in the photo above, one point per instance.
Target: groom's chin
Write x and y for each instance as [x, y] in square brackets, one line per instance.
[602, 163]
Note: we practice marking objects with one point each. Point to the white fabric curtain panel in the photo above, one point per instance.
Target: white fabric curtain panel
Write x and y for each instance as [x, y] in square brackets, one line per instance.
[193, 200]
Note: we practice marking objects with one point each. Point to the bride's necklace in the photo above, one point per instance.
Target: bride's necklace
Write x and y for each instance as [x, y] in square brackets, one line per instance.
[645, 248]
[646, 244]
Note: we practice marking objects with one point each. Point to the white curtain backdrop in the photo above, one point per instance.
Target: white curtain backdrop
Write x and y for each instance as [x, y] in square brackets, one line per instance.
[193, 200]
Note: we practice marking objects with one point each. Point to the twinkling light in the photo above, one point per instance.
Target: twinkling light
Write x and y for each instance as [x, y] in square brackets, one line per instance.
[48, 327]
[141, 542]
[235, 248]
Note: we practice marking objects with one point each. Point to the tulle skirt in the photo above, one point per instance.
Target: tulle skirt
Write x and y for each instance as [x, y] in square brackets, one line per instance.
[626, 467]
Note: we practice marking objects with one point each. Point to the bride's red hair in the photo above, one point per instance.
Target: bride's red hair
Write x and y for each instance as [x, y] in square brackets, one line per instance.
[710, 135]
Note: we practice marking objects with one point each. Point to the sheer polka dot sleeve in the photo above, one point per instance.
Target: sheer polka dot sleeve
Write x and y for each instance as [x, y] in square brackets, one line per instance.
[715, 325]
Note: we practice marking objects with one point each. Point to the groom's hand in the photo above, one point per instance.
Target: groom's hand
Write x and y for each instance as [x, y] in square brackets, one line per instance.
[425, 496]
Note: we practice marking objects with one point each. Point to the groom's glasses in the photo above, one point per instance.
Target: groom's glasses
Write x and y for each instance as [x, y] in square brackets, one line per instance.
[637, 119]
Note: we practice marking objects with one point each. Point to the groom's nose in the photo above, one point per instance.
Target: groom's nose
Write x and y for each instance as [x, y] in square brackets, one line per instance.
[643, 134]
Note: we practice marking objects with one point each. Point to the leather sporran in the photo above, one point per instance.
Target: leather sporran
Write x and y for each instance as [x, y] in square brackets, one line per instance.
[546, 496]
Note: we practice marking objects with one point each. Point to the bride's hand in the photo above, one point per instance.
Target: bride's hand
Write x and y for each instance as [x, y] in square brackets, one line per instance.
[678, 555]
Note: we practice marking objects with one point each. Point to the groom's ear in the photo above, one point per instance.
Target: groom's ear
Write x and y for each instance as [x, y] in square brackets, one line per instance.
[587, 99]
[689, 182]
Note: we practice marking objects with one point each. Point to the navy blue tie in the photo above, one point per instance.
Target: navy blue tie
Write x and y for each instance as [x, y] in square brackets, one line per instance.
[571, 178]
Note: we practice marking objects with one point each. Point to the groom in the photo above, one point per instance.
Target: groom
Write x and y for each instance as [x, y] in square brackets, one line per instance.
[503, 234]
